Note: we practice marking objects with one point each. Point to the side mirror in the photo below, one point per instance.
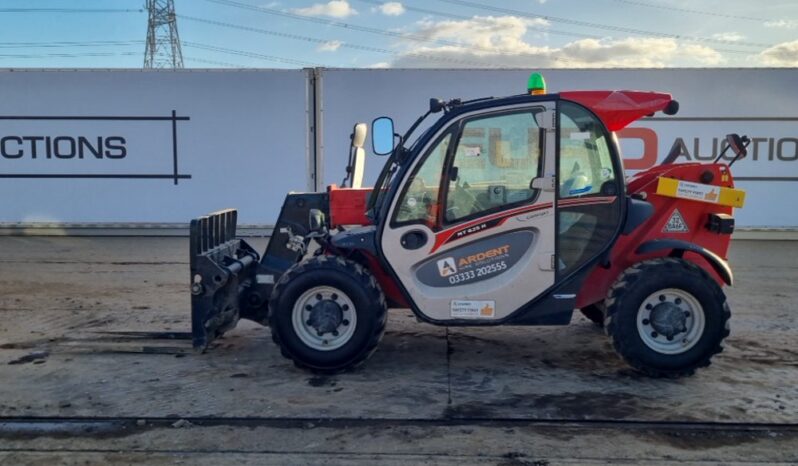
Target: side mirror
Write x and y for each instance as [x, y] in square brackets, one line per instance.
[737, 144]
[382, 136]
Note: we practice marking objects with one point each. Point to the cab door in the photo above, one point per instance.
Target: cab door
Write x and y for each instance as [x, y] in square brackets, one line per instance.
[471, 236]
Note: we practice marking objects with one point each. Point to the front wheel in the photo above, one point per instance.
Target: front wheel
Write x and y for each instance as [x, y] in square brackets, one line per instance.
[327, 314]
[667, 317]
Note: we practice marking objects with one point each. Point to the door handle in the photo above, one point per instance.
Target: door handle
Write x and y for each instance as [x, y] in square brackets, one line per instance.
[413, 239]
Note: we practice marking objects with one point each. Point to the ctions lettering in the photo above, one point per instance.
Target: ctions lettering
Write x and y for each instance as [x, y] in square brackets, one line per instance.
[24, 152]
[63, 147]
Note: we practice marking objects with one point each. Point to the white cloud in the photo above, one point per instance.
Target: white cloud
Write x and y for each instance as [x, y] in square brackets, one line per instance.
[391, 9]
[330, 46]
[782, 24]
[701, 54]
[333, 8]
[501, 42]
[381, 65]
[728, 36]
[784, 54]
[500, 33]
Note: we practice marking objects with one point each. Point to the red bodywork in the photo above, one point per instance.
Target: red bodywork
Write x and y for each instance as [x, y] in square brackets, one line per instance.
[616, 109]
[619, 108]
[348, 206]
[695, 214]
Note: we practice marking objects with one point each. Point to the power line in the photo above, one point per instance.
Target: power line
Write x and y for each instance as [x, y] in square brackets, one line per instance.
[70, 10]
[689, 10]
[354, 27]
[116, 43]
[299, 37]
[68, 44]
[467, 18]
[213, 48]
[215, 62]
[69, 55]
[508, 11]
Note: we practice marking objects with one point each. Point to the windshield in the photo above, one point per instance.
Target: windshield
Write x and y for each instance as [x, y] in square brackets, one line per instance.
[383, 184]
[388, 173]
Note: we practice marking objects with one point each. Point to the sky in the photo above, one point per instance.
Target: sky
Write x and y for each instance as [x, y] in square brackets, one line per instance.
[408, 33]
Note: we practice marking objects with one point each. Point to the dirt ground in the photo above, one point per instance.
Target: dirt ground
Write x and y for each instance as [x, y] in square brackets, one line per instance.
[94, 369]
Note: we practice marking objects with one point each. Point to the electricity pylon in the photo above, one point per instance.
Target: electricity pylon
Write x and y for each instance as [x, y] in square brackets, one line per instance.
[163, 42]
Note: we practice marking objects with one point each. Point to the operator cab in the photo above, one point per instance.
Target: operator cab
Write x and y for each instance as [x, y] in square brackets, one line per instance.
[502, 205]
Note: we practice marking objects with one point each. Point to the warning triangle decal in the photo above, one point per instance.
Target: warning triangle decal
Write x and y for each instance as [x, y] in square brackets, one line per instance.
[676, 224]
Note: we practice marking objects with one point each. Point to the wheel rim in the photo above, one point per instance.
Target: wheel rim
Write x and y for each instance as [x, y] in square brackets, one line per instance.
[670, 321]
[324, 318]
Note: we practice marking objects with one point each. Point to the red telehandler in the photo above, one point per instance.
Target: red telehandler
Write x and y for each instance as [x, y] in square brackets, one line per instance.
[505, 211]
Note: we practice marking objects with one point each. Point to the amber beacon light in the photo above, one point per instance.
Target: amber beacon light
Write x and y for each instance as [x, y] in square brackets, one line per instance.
[536, 84]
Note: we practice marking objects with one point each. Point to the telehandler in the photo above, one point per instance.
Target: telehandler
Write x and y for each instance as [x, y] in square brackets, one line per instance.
[504, 211]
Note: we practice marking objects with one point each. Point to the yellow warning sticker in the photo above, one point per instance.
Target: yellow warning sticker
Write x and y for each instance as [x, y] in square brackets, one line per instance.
[701, 192]
[462, 309]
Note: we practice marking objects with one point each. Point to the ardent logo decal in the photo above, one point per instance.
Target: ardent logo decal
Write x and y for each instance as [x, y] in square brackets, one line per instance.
[482, 256]
[446, 267]
[481, 260]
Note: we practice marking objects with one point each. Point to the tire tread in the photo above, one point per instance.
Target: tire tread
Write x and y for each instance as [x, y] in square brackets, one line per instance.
[362, 276]
[620, 341]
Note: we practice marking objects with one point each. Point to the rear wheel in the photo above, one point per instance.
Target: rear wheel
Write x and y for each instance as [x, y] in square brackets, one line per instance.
[667, 317]
[327, 314]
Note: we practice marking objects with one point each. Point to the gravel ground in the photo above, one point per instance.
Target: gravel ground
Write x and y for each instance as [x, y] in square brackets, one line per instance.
[84, 380]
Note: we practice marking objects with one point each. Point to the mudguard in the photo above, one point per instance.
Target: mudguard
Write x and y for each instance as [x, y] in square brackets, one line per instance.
[678, 247]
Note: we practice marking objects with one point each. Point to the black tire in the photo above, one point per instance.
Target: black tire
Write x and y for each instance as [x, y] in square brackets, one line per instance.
[594, 313]
[629, 294]
[359, 286]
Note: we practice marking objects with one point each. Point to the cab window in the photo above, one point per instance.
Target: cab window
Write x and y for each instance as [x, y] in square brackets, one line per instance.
[589, 210]
[494, 163]
[419, 201]
[585, 163]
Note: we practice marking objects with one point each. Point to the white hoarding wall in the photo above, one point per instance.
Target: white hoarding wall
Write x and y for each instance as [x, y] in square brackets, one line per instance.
[126, 146]
[105, 146]
[762, 103]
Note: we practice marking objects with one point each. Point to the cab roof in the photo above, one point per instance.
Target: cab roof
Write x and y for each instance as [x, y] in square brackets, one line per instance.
[616, 109]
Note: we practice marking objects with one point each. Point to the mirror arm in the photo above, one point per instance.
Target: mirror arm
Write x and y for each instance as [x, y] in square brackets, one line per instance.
[722, 153]
[413, 127]
[349, 164]
[746, 142]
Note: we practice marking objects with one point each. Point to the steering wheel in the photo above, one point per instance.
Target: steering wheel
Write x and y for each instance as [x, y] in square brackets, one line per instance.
[461, 199]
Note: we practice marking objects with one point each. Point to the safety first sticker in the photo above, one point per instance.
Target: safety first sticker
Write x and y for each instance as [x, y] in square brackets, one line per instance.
[701, 192]
[461, 309]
